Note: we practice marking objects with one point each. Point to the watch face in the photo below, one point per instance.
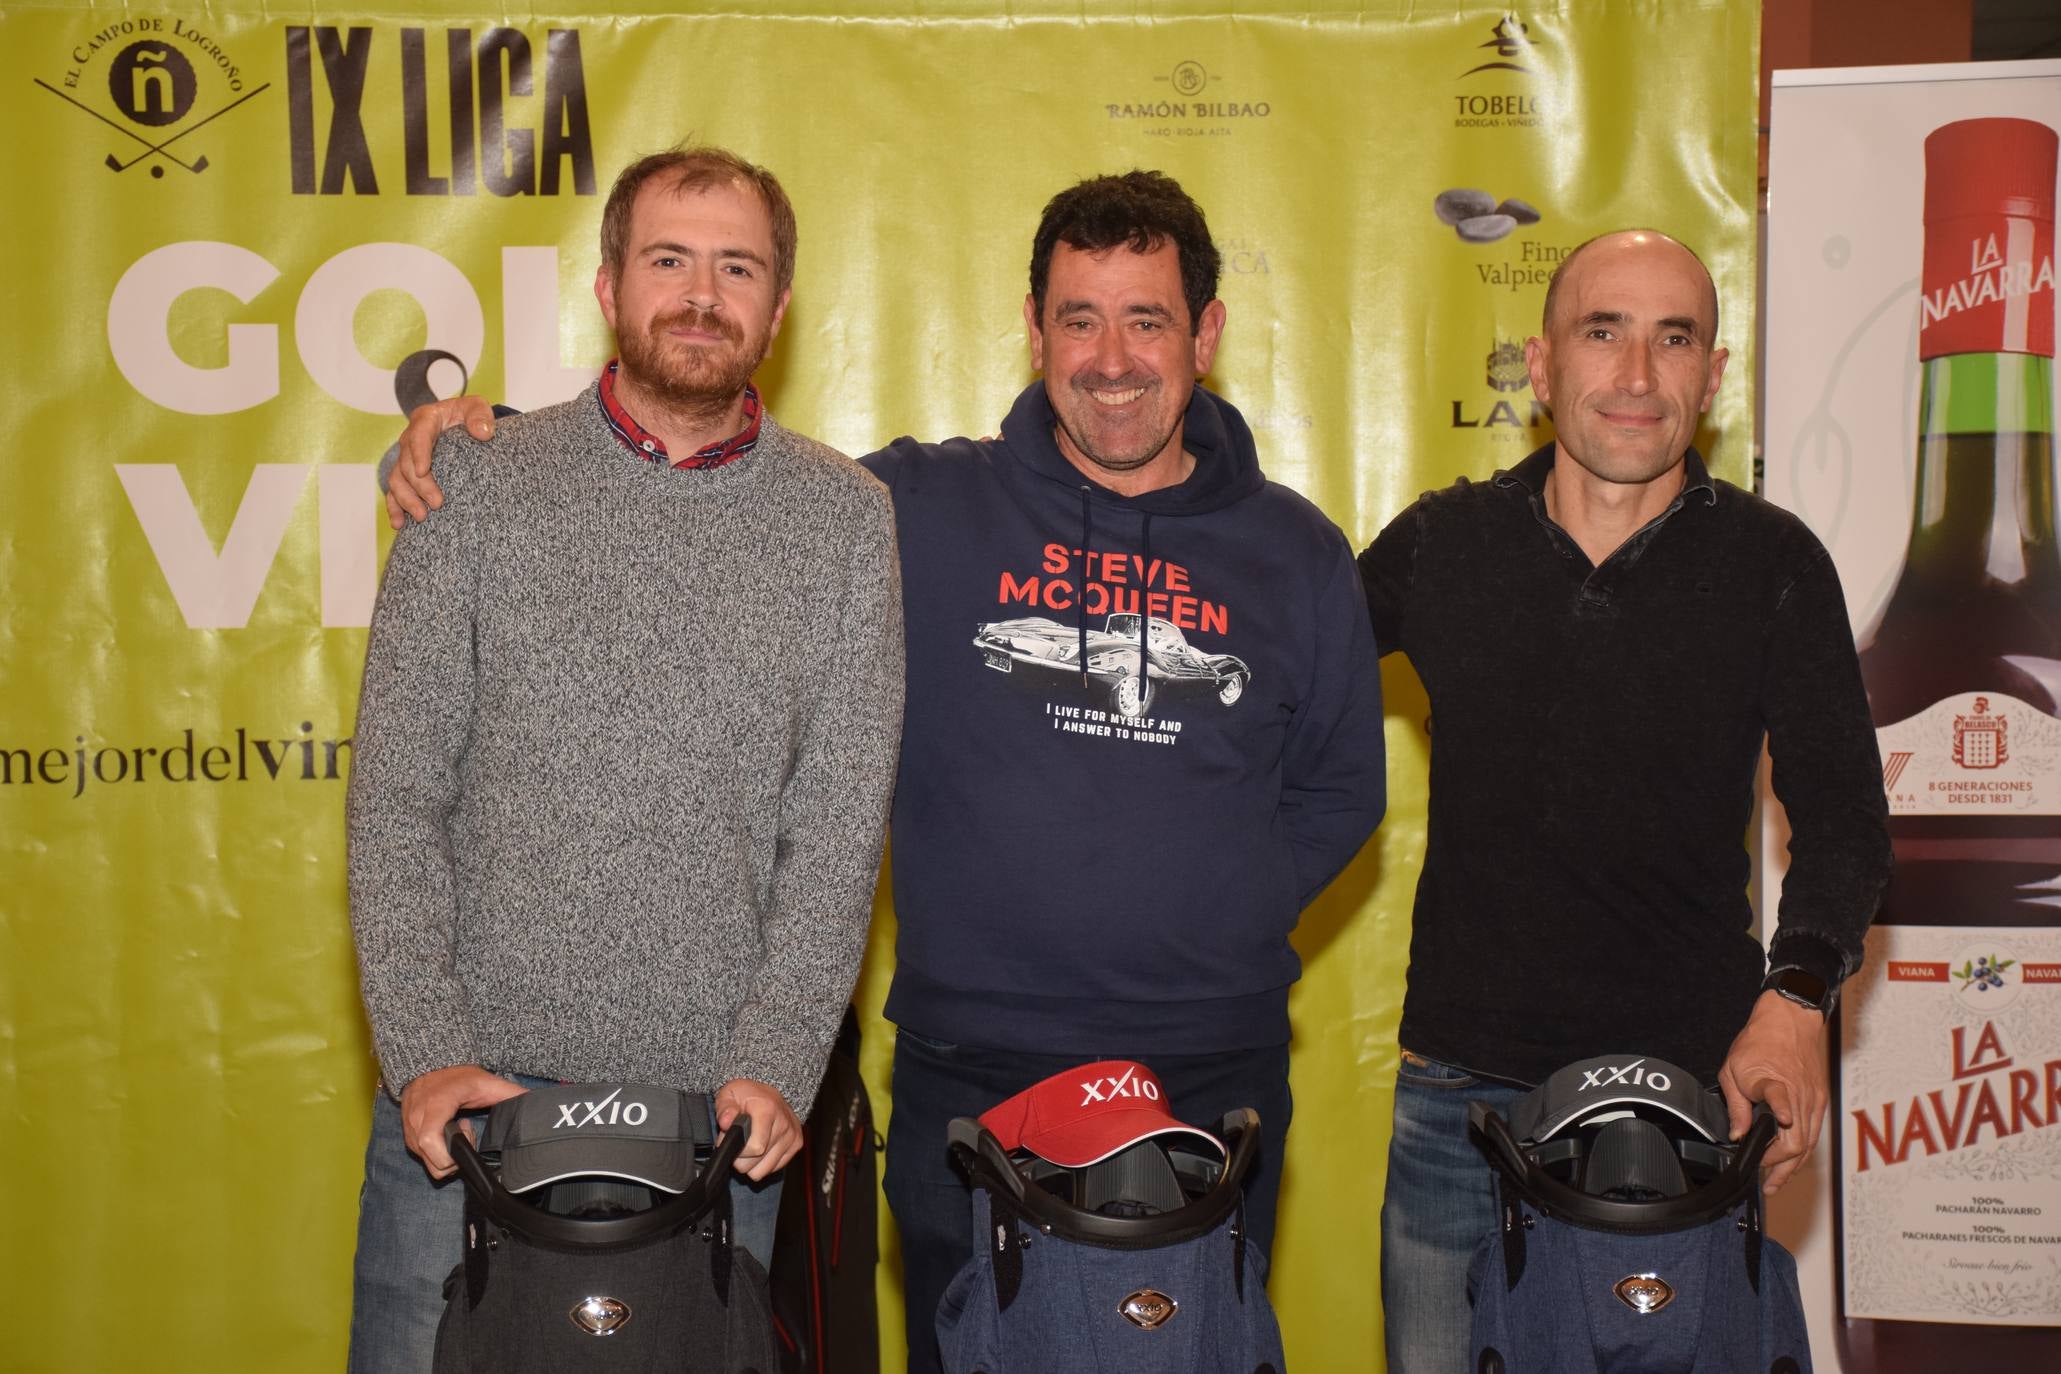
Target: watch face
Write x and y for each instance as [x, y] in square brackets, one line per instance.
[1799, 986]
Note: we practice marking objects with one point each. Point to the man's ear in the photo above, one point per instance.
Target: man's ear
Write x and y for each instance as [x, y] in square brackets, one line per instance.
[604, 292]
[1209, 332]
[1034, 332]
[1717, 372]
[1536, 352]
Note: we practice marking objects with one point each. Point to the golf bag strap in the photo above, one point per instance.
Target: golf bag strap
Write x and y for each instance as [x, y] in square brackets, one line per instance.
[1005, 1247]
[1510, 1221]
[1238, 1248]
[1751, 1224]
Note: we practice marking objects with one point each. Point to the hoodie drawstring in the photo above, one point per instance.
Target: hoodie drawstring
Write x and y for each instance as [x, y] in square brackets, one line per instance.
[1144, 620]
[1080, 601]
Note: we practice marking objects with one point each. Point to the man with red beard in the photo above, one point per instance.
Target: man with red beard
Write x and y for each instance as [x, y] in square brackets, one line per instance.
[625, 745]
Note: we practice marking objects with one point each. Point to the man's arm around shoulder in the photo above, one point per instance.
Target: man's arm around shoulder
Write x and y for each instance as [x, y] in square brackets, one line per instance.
[404, 472]
[1334, 776]
[1388, 570]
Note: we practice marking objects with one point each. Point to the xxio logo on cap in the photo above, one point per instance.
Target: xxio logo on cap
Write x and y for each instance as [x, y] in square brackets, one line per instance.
[606, 1112]
[1632, 1074]
[1644, 1293]
[1148, 1308]
[1126, 1084]
[598, 1316]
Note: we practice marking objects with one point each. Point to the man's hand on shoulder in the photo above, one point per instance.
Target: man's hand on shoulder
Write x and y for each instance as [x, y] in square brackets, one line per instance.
[776, 1133]
[1779, 1059]
[430, 1101]
[410, 490]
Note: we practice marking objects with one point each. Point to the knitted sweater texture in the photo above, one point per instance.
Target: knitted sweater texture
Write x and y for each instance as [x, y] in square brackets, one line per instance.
[623, 759]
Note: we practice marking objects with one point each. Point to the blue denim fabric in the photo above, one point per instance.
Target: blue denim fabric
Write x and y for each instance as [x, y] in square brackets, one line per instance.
[1064, 1311]
[1563, 1315]
[935, 1082]
[1440, 1202]
[409, 1240]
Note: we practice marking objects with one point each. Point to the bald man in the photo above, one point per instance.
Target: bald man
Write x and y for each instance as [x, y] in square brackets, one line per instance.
[1607, 635]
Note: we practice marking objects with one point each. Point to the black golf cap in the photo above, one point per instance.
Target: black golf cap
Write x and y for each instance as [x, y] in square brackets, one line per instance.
[1631, 1084]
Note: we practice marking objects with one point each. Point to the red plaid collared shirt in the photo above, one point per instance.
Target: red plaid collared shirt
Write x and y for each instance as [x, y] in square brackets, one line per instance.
[650, 447]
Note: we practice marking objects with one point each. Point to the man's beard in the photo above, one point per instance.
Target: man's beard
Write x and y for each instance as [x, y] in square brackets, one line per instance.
[693, 377]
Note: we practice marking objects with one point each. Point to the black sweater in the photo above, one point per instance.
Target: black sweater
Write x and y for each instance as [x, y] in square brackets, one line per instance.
[1595, 732]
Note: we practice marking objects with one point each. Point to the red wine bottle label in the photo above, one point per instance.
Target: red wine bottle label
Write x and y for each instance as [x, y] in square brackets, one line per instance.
[1988, 287]
[1950, 1108]
[1973, 754]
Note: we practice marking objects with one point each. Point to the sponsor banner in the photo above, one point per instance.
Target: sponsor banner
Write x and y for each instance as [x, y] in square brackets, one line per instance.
[1951, 1124]
[1852, 303]
[1961, 756]
[247, 240]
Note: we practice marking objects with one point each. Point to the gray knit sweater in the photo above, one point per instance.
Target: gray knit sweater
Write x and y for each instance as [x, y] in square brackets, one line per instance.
[623, 760]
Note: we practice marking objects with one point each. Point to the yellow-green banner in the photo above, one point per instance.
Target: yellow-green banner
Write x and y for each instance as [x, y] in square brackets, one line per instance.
[241, 236]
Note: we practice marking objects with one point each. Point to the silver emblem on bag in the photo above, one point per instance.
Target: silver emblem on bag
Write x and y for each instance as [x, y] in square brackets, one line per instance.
[600, 1316]
[1644, 1293]
[1148, 1308]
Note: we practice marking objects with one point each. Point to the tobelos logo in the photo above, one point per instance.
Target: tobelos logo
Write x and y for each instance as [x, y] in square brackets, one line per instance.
[1500, 105]
[151, 92]
[1510, 39]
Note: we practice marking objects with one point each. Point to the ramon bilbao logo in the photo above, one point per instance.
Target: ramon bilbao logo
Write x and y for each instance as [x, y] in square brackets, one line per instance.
[144, 88]
[1197, 105]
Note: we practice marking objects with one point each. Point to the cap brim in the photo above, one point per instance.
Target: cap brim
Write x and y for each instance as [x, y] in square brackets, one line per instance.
[1078, 1144]
[667, 1165]
[1554, 1122]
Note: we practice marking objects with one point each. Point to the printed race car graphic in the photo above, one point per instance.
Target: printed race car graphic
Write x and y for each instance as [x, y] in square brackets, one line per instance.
[1171, 663]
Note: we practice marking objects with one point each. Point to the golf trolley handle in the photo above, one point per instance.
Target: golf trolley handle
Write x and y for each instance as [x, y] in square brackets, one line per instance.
[976, 1147]
[1740, 1175]
[688, 1207]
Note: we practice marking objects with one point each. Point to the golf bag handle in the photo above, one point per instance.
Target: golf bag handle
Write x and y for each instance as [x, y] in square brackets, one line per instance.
[691, 1205]
[1740, 1174]
[983, 1156]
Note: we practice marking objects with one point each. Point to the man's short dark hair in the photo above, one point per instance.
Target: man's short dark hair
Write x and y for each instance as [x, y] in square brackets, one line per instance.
[1553, 282]
[1140, 211]
[696, 167]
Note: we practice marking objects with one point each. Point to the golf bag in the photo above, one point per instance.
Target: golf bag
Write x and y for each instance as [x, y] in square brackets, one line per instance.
[1130, 1255]
[826, 1247]
[597, 1237]
[1629, 1233]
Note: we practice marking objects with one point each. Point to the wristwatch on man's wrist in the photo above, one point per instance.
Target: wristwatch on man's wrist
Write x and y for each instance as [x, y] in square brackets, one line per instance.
[1802, 987]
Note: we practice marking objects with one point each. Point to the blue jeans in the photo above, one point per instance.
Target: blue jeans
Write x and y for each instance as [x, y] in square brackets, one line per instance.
[935, 1082]
[1439, 1203]
[409, 1229]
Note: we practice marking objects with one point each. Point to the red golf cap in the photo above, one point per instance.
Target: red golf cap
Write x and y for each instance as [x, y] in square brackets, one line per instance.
[1085, 1115]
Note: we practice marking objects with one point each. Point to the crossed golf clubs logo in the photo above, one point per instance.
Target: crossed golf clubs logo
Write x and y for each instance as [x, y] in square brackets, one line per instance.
[169, 87]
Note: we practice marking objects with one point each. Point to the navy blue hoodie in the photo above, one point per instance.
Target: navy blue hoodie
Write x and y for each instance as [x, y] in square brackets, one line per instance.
[1086, 860]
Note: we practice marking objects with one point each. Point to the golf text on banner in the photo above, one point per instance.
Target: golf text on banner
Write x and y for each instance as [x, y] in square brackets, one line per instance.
[245, 238]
